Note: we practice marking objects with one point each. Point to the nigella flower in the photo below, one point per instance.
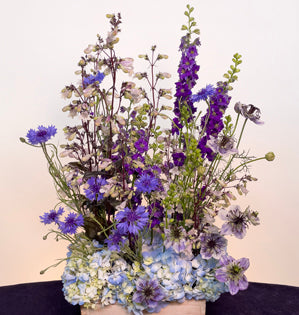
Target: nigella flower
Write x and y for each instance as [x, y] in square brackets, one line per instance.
[236, 222]
[178, 158]
[176, 238]
[223, 145]
[232, 272]
[212, 245]
[203, 94]
[71, 223]
[52, 216]
[149, 293]
[115, 240]
[93, 191]
[131, 221]
[92, 79]
[147, 183]
[141, 145]
[249, 112]
[41, 135]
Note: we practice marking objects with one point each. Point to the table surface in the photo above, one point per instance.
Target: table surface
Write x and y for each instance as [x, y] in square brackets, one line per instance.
[46, 298]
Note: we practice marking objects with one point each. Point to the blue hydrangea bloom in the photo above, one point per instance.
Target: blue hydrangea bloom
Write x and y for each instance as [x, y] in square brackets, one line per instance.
[52, 216]
[92, 79]
[147, 183]
[41, 135]
[71, 223]
[132, 221]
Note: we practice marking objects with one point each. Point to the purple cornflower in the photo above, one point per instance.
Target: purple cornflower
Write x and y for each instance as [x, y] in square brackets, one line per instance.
[236, 222]
[93, 191]
[92, 79]
[41, 135]
[131, 221]
[115, 240]
[146, 183]
[141, 145]
[232, 272]
[148, 294]
[249, 112]
[71, 223]
[178, 158]
[203, 94]
[52, 216]
[212, 245]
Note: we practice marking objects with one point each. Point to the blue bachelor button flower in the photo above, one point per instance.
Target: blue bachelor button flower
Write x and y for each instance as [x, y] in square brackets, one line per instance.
[203, 94]
[52, 216]
[93, 191]
[93, 79]
[71, 223]
[41, 135]
[131, 221]
[147, 183]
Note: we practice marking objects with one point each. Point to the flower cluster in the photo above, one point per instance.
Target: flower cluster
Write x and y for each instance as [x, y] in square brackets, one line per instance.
[138, 198]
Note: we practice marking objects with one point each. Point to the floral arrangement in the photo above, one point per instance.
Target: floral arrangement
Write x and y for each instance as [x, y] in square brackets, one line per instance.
[139, 198]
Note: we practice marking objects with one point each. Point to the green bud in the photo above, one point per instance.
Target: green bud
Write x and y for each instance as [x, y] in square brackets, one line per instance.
[22, 140]
[270, 156]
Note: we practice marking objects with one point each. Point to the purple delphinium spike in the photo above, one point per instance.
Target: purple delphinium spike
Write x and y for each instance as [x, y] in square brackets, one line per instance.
[52, 216]
[232, 272]
[131, 221]
[178, 158]
[41, 135]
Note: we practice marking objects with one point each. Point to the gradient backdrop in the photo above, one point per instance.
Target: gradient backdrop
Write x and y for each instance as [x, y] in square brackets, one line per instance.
[41, 43]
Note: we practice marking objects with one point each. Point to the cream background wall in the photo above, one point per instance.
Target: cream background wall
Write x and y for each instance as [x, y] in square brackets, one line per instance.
[41, 42]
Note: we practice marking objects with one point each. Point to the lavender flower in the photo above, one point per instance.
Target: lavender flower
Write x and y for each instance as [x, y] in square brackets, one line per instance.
[93, 191]
[71, 223]
[52, 216]
[147, 183]
[212, 245]
[131, 221]
[41, 135]
[232, 272]
[92, 79]
[249, 112]
[203, 94]
[148, 294]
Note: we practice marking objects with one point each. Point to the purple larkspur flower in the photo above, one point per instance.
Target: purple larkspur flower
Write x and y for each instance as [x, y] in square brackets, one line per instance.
[93, 190]
[236, 222]
[203, 94]
[223, 145]
[232, 272]
[71, 223]
[156, 213]
[212, 245]
[132, 221]
[249, 112]
[141, 145]
[52, 216]
[178, 158]
[147, 183]
[92, 79]
[148, 293]
[41, 135]
[115, 240]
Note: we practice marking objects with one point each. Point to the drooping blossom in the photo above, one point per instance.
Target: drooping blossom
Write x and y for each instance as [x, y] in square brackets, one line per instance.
[148, 293]
[41, 135]
[131, 221]
[99, 77]
[71, 223]
[93, 190]
[222, 144]
[147, 183]
[52, 216]
[249, 112]
[232, 272]
[212, 245]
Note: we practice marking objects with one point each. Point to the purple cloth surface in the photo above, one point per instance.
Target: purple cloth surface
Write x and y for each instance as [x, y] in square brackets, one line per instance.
[46, 298]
